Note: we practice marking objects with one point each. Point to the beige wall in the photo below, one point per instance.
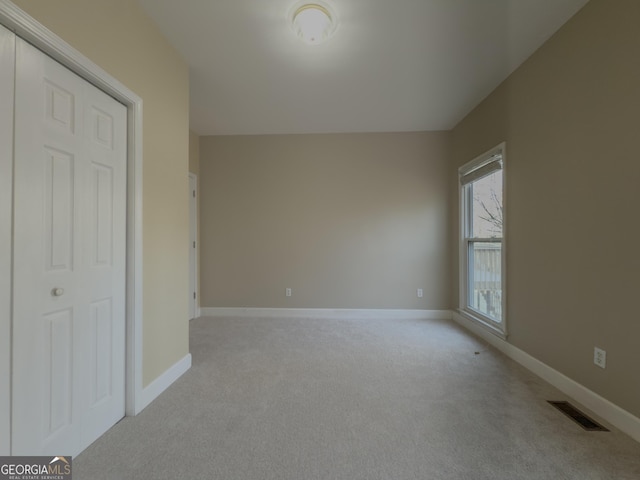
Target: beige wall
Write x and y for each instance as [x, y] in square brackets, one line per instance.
[571, 119]
[346, 221]
[117, 36]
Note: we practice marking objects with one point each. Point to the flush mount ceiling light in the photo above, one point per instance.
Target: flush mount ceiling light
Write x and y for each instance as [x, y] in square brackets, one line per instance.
[313, 22]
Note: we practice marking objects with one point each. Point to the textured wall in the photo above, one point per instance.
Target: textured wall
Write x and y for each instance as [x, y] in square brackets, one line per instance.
[346, 221]
[571, 118]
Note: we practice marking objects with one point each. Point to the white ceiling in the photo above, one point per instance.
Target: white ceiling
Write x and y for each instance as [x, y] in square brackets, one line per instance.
[393, 65]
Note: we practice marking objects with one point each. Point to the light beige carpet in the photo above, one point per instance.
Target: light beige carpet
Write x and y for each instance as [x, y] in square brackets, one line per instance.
[296, 399]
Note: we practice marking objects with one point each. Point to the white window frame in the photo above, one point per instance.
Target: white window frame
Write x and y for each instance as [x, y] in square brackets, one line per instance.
[487, 160]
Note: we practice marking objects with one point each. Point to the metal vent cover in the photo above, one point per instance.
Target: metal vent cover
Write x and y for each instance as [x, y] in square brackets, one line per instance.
[577, 416]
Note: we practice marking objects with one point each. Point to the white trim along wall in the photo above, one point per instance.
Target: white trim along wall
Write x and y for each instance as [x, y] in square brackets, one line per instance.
[616, 416]
[27, 28]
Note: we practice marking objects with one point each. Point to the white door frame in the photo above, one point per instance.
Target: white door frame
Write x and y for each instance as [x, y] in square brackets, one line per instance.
[7, 50]
[29, 29]
[193, 233]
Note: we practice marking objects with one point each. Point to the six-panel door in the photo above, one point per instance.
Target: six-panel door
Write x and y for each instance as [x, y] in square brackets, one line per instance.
[69, 259]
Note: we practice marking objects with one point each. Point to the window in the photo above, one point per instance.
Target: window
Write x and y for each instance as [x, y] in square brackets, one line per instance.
[482, 249]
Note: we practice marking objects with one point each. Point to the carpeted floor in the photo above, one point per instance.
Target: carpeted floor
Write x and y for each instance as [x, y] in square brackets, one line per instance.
[298, 399]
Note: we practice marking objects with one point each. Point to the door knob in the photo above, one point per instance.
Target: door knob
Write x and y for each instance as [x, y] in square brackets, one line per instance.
[57, 292]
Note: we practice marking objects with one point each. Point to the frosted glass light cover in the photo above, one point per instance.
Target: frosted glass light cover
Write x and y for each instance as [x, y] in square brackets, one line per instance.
[313, 23]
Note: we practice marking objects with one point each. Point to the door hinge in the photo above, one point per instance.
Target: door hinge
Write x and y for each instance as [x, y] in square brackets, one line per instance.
[194, 244]
[194, 194]
[194, 295]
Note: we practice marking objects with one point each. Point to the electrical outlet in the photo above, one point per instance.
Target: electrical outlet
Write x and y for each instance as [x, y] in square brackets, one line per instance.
[599, 357]
[287, 292]
[419, 293]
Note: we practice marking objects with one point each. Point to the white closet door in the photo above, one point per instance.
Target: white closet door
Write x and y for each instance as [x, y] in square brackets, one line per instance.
[7, 59]
[69, 257]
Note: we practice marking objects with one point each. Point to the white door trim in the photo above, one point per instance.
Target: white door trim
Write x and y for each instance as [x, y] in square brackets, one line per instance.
[26, 27]
[193, 233]
[7, 50]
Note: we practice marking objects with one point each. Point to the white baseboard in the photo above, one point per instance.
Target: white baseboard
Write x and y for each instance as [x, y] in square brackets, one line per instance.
[610, 412]
[196, 314]
[332, 313]
[160, 384]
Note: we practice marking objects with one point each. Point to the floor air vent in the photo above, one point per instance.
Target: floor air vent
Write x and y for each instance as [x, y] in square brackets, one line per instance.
[577, 416]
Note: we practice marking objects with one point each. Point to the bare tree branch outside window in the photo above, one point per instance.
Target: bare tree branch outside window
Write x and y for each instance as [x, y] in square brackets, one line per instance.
[493, 212]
